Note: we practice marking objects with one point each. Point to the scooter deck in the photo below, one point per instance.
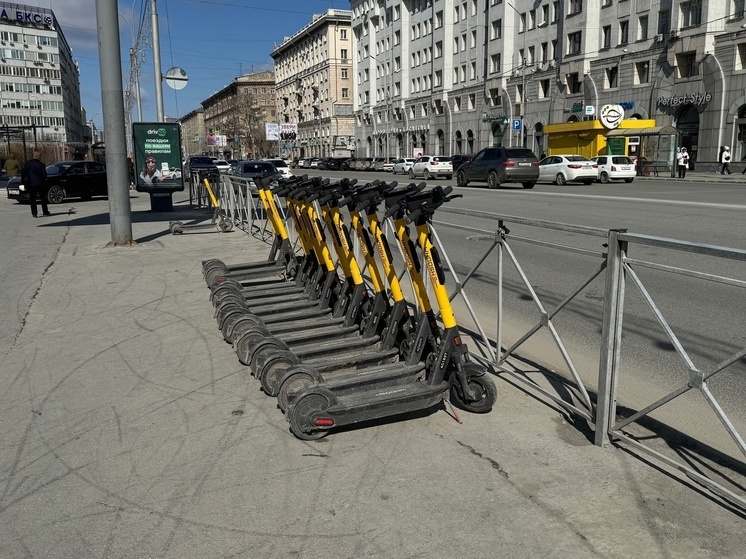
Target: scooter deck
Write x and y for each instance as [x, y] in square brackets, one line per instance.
[388, 373]
[275, 308]
[296, 336]
[326, 363]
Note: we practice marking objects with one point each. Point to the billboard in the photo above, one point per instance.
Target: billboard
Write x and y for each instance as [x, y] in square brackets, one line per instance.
[219, 140]
[288, 130]
[157, 156]
[272, 131]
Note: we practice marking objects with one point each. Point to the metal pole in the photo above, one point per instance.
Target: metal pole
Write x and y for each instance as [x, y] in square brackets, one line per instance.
[112, 97]
[157, 64]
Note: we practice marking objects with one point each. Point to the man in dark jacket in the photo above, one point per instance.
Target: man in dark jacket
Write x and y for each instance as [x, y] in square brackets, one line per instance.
[34, 178]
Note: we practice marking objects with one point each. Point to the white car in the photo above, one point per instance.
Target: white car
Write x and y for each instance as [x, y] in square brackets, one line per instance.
[432, 166]
[222, 165]
[403, 165]
[615, 167]
[561, 169]
[282, 166]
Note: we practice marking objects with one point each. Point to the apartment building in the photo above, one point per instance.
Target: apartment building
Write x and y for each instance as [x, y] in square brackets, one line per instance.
[314, 86]
[235, 118]
[454, 76]
[39, 80]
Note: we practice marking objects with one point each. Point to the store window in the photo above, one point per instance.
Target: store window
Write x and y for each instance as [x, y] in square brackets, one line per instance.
[691, 13]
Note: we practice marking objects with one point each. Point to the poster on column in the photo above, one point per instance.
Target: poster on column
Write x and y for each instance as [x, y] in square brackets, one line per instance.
[157, 156]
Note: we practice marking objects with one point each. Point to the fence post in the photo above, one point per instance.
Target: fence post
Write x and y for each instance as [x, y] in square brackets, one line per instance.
[610, 338]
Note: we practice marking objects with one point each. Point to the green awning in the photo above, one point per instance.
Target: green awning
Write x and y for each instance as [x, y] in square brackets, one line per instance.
[650, 131]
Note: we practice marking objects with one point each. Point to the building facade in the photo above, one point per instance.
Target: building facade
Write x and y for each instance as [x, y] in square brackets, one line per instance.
[39, 81]
[315, 86]
[454, 76]
[193, 132]
[235, 118]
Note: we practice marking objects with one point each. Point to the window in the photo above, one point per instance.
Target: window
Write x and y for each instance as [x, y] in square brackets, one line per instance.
[438, 49]
[576, 6]
[555, 11]
[643, 28]
[345, 93]
[495, 63]
[456, 104]
[544, 15]
[343, 34]
[438, 78]
[642, 74]
[574, 42]
[687, 64]
[472, 101]
[543, 89]
[343, 54]
[741, 58]
[522, 27]
[496, 29]
[544, 52]
[664, 22]
[473, 41]
[612, 77]
[691, 13]
[624, 32]
[438, 20]
[463, 42]
[574, 85]
[739, 7]
[343, 73]
[606, 36]
[397, 37]
[463, 72]
[531, 19]
[473, 71]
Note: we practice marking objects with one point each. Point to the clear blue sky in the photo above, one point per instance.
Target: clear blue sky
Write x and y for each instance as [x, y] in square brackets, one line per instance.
[213, 40]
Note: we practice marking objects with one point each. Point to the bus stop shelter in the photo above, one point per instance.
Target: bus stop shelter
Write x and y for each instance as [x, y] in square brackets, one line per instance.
[657, 150]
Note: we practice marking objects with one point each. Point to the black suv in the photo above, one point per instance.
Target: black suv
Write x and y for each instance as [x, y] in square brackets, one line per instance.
[67, 179]
[498, 165]
[199, 163]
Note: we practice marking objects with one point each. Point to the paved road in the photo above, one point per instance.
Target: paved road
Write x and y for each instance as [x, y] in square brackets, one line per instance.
[130, 430]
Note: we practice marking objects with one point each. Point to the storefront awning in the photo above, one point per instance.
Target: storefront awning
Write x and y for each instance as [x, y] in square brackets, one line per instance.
[651, 131]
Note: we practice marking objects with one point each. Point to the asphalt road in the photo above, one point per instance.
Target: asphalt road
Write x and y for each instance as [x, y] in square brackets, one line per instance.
[705, 316]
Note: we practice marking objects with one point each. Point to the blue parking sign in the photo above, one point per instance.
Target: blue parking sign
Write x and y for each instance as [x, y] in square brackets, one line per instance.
[516, 124]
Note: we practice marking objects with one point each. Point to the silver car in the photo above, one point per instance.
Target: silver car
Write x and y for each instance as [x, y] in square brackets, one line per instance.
[403, 165]
[561, 169]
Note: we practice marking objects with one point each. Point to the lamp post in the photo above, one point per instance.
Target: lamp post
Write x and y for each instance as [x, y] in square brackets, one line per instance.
[523, 77]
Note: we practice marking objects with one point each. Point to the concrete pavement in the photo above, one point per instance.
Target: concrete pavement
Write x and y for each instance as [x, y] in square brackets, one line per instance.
[130, 430]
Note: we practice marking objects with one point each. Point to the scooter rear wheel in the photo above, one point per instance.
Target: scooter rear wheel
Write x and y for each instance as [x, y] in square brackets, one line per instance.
[485, 387]
[302, 416]
[274, 367]
[291, 386]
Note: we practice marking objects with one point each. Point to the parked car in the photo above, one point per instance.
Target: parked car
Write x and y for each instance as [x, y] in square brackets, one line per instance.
[335, 163]
[431, 166]
[403, 165]
[312, 163]
[197, 163]
[222, 165]
[251, 169]
[364, 163]
[561, 169]
[300, 163]
[458, 160]
[615, 167]
[380, 163]
[347, 164]
[498, 165]
[66, 179]
[388, 165]
[282, 166]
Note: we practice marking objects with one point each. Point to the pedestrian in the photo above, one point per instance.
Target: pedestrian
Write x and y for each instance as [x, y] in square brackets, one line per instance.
[150, 174]
[34, 178]
[12, 167]
[726, 160]
[131, 172]
[682, 159]
[720, 160]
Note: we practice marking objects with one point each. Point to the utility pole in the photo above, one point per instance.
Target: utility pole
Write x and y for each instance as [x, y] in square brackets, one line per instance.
[157, 63]
[117, 173]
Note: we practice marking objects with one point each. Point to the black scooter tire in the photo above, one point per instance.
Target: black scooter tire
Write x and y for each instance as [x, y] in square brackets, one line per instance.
[245, 344]
[262, 351]
[275, 367]
[291, 386]
[476, 377]
[301, 416]
[245, 323]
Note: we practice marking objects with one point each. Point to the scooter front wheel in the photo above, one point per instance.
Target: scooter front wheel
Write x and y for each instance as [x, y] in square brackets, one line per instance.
[486, 391]
[304, 414]
[274, 367]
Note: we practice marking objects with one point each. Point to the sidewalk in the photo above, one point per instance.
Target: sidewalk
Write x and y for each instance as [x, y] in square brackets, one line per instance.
[698, 176]
[130, 430]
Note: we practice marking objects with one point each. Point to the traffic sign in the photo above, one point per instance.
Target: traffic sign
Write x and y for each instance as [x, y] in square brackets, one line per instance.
[516, 124]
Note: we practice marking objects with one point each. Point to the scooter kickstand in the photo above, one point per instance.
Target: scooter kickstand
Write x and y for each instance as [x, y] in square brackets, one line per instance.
[453, 413]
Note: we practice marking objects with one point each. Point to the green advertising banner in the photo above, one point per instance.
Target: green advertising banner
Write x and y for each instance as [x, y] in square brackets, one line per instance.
[157, 156]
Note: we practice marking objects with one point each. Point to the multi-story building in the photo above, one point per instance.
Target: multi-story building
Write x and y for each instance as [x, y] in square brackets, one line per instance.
[193, 132]
[239, 113]
[39, 80]
[315, 84]
[453, 76]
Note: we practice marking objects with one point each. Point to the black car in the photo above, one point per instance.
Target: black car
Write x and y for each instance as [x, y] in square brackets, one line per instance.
[199, 163]
[256, 169]
[458, 160]
[498, 165]
[67, 179]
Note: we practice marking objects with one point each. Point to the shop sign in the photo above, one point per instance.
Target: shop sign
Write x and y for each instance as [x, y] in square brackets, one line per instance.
[686, 99]
[627, 105]
[492, 117]
[611, 116]
[577, 107]
[30, 17]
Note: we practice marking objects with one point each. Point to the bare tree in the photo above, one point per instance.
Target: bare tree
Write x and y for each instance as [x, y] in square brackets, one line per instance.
[246, 120]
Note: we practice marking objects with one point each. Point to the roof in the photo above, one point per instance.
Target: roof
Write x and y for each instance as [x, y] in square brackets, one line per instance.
[650, 131]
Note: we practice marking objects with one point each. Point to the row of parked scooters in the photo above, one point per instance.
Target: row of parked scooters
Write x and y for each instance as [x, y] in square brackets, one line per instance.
[334, 347]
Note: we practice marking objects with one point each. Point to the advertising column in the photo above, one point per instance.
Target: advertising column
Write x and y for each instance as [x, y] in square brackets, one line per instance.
[158, 162]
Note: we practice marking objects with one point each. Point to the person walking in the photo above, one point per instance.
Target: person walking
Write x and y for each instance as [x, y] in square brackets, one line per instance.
[34, 177]
[682, 160]
[726, 160]
[720, 160]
